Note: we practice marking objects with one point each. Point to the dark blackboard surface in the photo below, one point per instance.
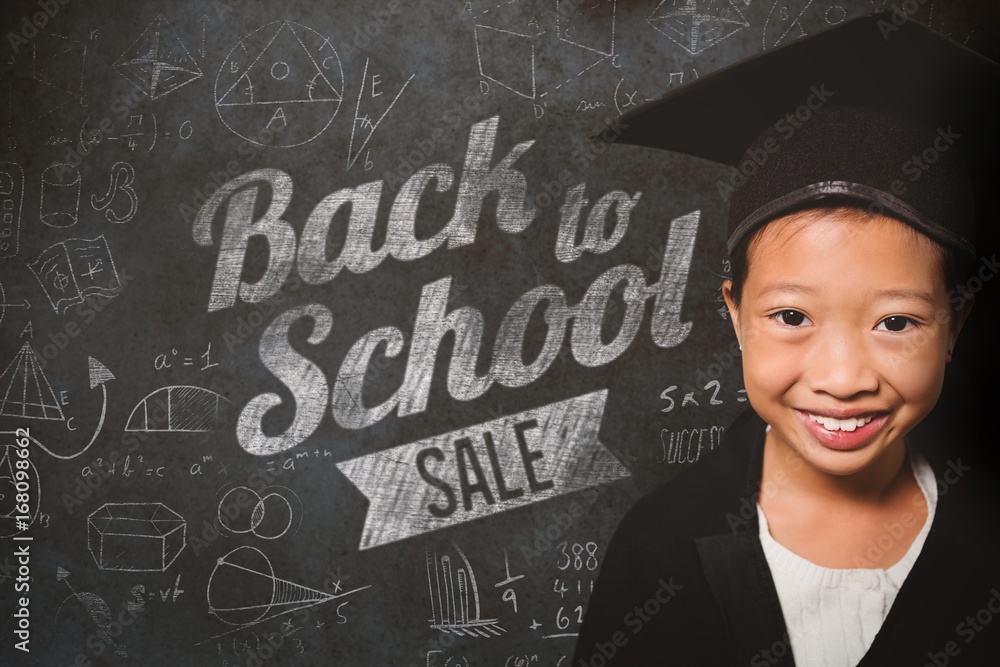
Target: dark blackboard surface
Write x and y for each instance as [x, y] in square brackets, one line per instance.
[172, 515]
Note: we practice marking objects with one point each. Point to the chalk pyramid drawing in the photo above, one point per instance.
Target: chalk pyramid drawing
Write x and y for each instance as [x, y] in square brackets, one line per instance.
[181, 408]
[243, 590]
[26, 391]
[158, 63]
[695, 25]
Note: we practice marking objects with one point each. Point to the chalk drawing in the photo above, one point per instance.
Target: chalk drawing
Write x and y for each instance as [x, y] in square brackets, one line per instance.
[455, 605]
[180, 408]
[11, 199]
[4, 304]
[120, 188]
[26, 360]
[586, 25]
[509, 44]
[60, 199]
[438, 659]
[57, 63]
[244, 591]
[696, 25]
[274, 511]
[8, 493]
[74, 269]
[363, 124]
[141, 127]
[96, 608]
[157, 62]
[784, 21]
[289, 89]
[27, 393]
[135, 537]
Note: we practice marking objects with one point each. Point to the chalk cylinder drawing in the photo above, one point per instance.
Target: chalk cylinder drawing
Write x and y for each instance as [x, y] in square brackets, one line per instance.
[60, 204]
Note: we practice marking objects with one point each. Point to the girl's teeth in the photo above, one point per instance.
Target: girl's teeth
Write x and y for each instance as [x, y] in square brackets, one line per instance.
[831, 424]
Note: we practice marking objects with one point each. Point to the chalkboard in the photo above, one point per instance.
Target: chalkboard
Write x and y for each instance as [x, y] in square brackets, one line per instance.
[336, 338]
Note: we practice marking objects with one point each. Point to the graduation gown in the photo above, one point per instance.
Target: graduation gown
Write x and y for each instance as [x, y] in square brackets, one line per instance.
[684, 580]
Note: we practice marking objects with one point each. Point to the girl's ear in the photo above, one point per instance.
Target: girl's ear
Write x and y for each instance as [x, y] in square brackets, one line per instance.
[734, 311]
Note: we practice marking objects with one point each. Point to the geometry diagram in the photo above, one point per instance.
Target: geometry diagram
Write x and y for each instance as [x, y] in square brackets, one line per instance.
[181, 408]
[455, 598]
[74, 269]
[57, 63]
[94, 606]
[365, 124]
[60, 199]
[27, 393]
[510, 40]
[786, 18]
[271, 517]
[135, 537]
[243, 590]
[8, 494]
[280, 86]
[157, 63]
[11, 197]
[695, 25]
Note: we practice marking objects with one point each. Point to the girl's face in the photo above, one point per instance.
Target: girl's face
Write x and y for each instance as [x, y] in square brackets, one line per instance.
[846, 329]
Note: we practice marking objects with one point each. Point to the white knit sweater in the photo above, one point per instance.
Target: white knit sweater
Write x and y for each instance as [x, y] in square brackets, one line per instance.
[833, 614]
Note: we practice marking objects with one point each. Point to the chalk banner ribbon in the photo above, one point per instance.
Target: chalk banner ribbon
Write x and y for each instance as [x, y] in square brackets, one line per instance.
[484, 469]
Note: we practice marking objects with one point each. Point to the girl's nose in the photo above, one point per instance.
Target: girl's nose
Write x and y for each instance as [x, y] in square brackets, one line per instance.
[841, 365]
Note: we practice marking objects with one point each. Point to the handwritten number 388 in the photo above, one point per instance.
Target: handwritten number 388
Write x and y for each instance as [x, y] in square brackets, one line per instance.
[578, 560]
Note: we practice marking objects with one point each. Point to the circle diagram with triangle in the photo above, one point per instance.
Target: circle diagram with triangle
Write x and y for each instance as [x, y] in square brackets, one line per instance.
[281, 85]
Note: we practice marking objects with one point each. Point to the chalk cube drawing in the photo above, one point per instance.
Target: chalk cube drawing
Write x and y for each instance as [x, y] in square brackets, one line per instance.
[135, 537]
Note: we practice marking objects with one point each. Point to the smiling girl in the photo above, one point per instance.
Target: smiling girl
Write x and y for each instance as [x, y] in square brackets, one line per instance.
[837, 524]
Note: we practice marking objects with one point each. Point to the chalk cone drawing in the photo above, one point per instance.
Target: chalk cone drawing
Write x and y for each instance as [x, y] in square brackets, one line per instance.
[695, 25]
[454, 595]
[157, 62]
[181, 408]
[243, 590]
[135, 537]
[283, 81]
[26, 391]
[8, 494]
[74, 269]
[11, 199]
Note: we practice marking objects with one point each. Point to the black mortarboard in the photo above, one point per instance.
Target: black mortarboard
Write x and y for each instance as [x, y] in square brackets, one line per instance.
[895, 116]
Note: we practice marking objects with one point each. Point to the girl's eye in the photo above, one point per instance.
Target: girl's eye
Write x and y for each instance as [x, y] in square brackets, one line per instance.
[896, 323]
[789, 317]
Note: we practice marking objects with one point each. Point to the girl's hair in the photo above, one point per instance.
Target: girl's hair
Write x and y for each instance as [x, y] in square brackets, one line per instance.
[957, 267]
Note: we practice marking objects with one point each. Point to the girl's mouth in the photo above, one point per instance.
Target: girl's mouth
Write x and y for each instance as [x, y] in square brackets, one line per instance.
[844, 434]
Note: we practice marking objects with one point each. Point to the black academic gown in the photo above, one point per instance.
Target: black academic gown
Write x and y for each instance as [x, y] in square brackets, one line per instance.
[684, 580]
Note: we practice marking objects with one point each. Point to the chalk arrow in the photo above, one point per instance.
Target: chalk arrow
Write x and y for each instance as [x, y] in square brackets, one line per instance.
[99, 373]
